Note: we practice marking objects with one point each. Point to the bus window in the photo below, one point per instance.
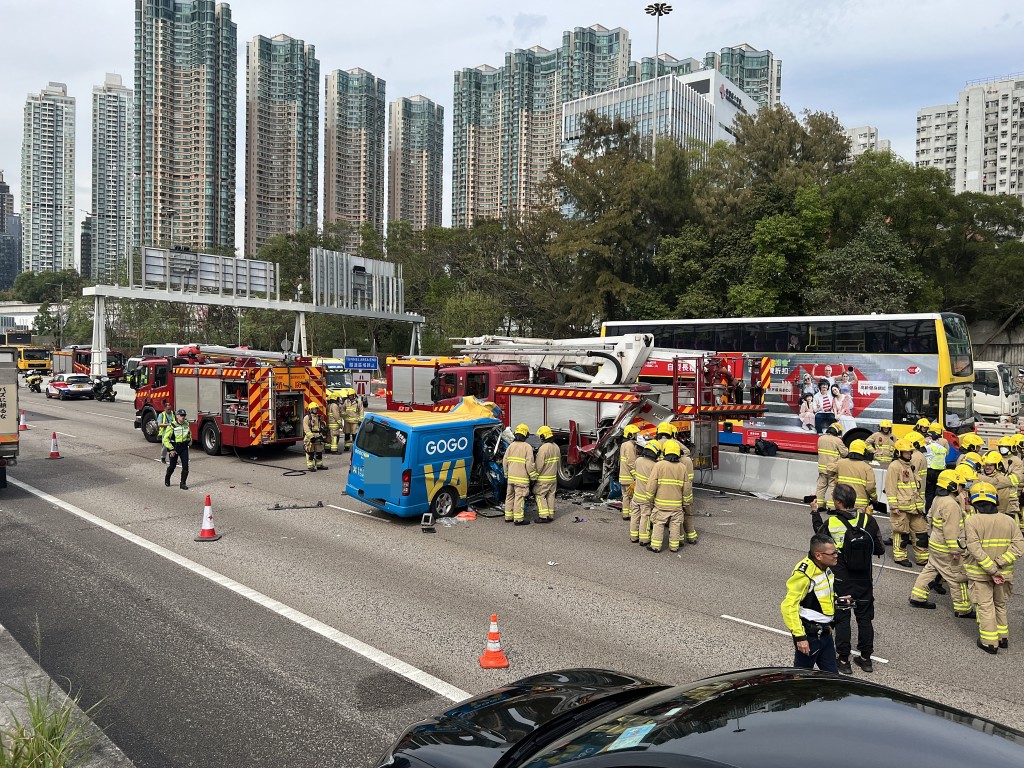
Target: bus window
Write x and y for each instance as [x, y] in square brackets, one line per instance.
[911, 403]
[959, 342]
[819, 337]
[682, 338]
[959, 406]
[704, 339]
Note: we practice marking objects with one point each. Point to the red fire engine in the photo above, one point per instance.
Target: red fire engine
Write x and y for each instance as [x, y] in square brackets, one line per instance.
[79, 360]
[234, 398]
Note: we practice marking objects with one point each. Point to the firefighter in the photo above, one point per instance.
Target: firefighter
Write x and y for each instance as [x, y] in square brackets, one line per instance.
[640, 521]
[352, 414]
[936, 449]
[334, 418]
[520, 471]
[881, 442]
[627, 458]
[969, 442]
[830, 450]
[903, 490]
[855, 471]
[921, 426]
[945, 546]
[666, 485]
[920, 463]
[993, 471]
[993, 545]
[666, 431]
[689, 530]
[314, 434]
[1007, 447]
[548, 457]
[969, 459]
[164, 422]
[177, 439]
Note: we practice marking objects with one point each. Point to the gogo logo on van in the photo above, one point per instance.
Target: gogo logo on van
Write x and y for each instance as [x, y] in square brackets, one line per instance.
[446, 446]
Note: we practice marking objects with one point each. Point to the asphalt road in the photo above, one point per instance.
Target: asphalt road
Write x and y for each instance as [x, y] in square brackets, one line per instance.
[192, 673]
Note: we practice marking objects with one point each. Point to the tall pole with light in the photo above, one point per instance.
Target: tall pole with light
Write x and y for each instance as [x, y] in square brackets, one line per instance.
[657, 10]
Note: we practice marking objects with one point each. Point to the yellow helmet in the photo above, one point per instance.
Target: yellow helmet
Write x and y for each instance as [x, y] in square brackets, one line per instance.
[915, 439]
[653, 445]
[972, 460]
[935, 427]
[1018, 439]
[313, 406]
[966, 473]
[970, 440]
[1006, 441]
[671, 448]
[948, 479]
[859, 446]
[992, 457]
[923, 422]
[885, 424]
[903, 444]
[545, 432]
[630, 430]
[667, 428]
[983, 491]
[522, 429]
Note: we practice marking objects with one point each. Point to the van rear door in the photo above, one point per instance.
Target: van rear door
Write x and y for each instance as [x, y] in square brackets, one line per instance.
[378, 460]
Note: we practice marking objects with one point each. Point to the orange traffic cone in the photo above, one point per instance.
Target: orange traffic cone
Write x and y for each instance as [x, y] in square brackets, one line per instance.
[494, 657]
[54, 451]
[22, 426]
[207, 533]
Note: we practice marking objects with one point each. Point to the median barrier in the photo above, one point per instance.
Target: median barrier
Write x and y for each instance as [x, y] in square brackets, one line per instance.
[765, 474]
[730, 471]
[880, 484]
[802, 479]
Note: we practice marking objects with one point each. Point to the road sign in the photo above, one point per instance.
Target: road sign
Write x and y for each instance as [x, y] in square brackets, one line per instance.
[361, 382]
[361, 363]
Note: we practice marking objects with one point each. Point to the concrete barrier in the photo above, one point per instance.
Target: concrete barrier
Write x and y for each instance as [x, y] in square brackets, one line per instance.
[765, 474]
[801, 479]
[730, 471]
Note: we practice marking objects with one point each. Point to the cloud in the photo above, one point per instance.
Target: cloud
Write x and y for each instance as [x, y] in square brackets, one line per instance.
[524, 25]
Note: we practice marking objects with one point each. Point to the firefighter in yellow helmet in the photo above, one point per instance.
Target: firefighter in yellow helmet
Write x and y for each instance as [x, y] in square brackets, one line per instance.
[830, 449]
[921, 426]
[352, 415]
[689, 529]
[547, 459]
[640, 521]
[903, 490]
[334, 418]
[967, 478]
[920, 463]
[969, 442]
[881, 442]
[666, 431]
[1007, 447]
[944, 540]
[520, 471]
[994, 544]
[993, 471]
[667, 485]
[627, 459]
[854, 470]
[314, 434]
[970, 459]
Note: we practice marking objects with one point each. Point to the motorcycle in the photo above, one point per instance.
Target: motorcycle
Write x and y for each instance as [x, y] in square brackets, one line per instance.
[35, 383]
[103, 389]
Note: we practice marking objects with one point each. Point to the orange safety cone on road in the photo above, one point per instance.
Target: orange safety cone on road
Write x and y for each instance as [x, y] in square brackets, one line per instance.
[54, 450]
[494, 657]
[22, 426]
[207, 533]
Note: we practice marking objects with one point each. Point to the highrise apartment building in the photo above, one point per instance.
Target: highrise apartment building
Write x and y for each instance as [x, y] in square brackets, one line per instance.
[507, 120]
[282, 138]
[10, 237]
[186, 74]
[757, 73]
[354, 151]
[865, 138]
[48, 181]
[979, 140]
[113, 182]
[86, 250]
[6, 203]
[415, 160]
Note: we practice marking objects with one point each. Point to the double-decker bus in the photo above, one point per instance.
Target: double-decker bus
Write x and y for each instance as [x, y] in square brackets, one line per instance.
[897, 367]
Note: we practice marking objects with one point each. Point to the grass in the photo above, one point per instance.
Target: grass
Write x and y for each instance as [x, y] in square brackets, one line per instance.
[54, 732]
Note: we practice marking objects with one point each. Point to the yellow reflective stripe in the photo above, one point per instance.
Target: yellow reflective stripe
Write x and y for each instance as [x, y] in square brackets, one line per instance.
[669, 481]
[827, 452]
[995, 542]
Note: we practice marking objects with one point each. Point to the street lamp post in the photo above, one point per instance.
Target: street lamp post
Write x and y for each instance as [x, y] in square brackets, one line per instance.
[657, 10]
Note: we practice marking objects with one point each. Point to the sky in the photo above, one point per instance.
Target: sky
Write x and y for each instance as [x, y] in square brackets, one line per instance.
[871, 62]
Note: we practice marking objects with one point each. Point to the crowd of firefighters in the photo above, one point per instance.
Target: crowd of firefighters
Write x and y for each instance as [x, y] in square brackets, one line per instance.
[320, 435]
[655, 475]
[963, 524]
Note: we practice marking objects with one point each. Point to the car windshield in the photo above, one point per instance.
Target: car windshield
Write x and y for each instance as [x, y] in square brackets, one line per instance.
[77, 379]
[383, 440]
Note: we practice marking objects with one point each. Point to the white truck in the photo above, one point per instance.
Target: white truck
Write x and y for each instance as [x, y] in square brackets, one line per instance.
[9, 412]
[996, 397]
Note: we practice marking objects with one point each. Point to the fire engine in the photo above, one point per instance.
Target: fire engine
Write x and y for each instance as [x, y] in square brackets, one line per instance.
[234, 398]
[79, 360]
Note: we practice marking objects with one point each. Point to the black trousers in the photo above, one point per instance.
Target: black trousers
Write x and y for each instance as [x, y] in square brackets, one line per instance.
[930, 481]
[861, 590]
[180, 452]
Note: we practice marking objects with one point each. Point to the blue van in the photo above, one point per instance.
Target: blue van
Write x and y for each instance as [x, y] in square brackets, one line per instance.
[409, 463]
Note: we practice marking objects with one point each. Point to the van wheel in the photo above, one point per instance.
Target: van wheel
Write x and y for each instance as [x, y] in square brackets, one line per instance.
[211, 438]
[567, 477]
[445, 503]
[150, 429]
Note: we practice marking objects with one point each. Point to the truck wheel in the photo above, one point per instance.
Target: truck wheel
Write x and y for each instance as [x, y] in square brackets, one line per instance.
[445, 503]
[211, 438]
[150, 429]
[567, 478]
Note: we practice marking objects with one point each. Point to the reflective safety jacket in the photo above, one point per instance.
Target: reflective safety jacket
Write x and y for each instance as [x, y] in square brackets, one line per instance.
[830, 449]
[334, 413]
[1014, 466]
[627, 458]
[164, 420]
[861, 477]
[666, 485]
[947, 533]
[687, 463]
[903, 487]
[920, 463]
[810, 596]
[352, 411]
[548, 457]
[177, 436]
[1006, 491]
[313, 427]
[994, 543]
[882, 445]
[518, 463]
[935, 454]
[641, 479]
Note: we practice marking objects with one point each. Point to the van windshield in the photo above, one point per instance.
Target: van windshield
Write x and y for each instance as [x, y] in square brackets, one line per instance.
[1007, 380]
[383, 440]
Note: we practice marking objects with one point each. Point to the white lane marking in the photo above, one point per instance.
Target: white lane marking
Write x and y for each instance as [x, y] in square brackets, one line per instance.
[357, 512]
[119, 418]
[377, 656]
[778, 631]
[66, 435]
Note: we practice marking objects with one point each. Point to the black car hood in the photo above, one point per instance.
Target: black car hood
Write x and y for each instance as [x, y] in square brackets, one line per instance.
[479, 731]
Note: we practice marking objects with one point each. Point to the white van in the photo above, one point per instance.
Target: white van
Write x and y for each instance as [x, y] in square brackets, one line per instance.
[996, 397]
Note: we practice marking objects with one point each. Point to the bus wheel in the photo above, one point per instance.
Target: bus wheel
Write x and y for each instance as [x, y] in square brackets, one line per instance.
[445, 503]
[211, 438]
[568, 479]
[150, 429]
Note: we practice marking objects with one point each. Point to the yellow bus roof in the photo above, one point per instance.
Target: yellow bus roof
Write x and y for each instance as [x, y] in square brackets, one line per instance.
[430, 418]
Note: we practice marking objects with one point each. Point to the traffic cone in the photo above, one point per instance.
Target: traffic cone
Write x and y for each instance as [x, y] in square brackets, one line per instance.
[54, 451]
[22, 426]
[494, 657]
[207, 533]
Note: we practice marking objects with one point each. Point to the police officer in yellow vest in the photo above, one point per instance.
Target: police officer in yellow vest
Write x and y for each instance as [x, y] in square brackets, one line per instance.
[666, 485]
[881, 443]
[936, 449]
[809, 606]
[627, 458]
[946, 543]
[547, 459]
[177, 439]
[520, 471]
